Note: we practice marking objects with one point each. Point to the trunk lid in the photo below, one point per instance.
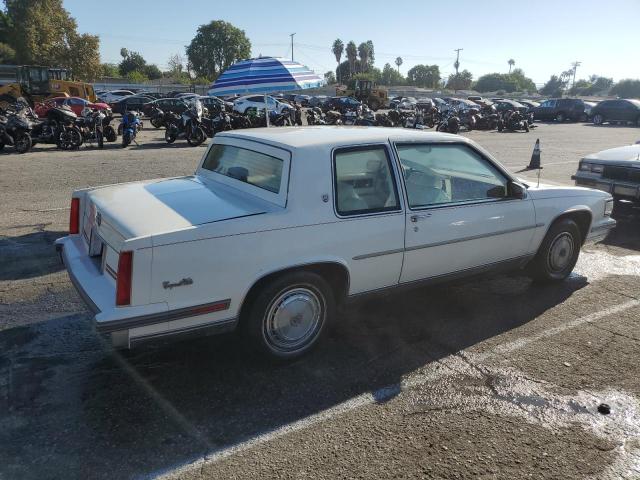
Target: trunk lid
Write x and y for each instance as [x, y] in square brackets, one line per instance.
[141, 209]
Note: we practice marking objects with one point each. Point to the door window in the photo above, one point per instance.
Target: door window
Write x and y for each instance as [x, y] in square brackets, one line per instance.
[444, 174]
[364, 182]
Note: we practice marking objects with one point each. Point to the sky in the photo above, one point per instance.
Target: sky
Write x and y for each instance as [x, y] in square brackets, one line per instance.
[543, 37]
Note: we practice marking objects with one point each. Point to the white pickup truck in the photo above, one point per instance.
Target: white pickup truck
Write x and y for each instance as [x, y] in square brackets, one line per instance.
[277, 227]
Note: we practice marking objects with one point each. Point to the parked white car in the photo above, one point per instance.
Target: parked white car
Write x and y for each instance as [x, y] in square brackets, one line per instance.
[615, 171]
[241, 104]
[277, 227]
[115, 95]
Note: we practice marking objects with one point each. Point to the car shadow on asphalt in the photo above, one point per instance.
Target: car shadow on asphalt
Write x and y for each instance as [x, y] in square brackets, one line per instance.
[100, 413]
[29, 255]
[627, 232]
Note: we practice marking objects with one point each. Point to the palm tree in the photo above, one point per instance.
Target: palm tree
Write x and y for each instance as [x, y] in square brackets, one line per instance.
[352, 53]
[364, 51]
[337, 49]
[398, 63]
[511, 63]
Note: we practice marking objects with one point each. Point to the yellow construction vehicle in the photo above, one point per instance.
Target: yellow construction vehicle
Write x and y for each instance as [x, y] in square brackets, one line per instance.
[365, 91]
[35, 84]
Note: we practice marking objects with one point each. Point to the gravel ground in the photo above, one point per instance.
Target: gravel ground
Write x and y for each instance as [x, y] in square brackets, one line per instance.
[492, 379]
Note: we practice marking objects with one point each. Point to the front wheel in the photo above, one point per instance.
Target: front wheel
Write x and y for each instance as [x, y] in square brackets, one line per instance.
[170, 134]
[598, 119]
[23, 142]
[100, 138]
[560, 117]
[558, 252]
[110, 134]
[289, 315]
[197, 137]
[126, 139]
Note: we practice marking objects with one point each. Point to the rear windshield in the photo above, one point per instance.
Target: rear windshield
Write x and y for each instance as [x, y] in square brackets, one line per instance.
[249, 166]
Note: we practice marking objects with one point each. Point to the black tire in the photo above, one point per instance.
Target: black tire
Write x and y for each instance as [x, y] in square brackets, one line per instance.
[110, 134]
[598, 119]
[74, 136]
[23, 142]
[170, 135]
[500, 126]
[561, 117]
[126, 139]
[156, 122]
[558, 253]
[526, 126]
[120, 127]
[100, 138]
[1, 146]
[197, 136]
[260, 320]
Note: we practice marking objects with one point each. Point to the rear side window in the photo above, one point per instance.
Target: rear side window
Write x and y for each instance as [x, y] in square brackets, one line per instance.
[248, 166]
[364, 181]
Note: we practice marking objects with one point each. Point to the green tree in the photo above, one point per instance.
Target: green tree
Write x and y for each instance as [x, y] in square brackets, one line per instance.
[515, 81]
[511, 63]
[460, 81]
[352, 57]
[554, 87]
[42, 32]
[330, 77]
[136, 76]
[215, 47]
[337, 49]
[427, 76]
[131, 62]
[153, 72]
[363, 53]
[628, 88]
[390, 76]
[109, 70]
[175, 64]
[398, 63]
[7, 54]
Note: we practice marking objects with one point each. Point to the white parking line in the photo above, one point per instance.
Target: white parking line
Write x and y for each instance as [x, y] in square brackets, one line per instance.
[383, 393]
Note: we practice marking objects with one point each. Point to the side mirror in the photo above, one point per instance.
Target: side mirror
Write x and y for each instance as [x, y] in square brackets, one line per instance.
[517, 190]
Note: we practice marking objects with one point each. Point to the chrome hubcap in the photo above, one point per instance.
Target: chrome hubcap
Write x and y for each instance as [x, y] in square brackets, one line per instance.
[560, 252]
[293, 319]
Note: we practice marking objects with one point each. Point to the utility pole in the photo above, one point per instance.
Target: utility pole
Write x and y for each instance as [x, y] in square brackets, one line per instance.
[457, 63]
[575, 66]
[291, 35]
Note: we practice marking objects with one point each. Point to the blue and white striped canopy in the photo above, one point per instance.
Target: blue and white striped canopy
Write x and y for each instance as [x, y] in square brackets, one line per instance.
[265, 75]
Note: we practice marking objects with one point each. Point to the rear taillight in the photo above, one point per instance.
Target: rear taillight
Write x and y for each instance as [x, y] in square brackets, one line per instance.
[74, 216]
[123, 279]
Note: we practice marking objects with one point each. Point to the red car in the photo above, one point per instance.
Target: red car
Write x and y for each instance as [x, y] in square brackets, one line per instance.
[77, 104]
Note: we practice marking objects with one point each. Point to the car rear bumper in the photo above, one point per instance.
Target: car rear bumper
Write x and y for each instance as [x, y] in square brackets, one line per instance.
[126, 326]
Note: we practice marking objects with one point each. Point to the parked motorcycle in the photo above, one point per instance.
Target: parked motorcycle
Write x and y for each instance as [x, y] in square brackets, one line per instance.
[14, 131]
[130, 126]
[188, 127]
[450, 122]
[513, 120]
[488, 119]
[58, 127]
[469, 118]
[95, 127]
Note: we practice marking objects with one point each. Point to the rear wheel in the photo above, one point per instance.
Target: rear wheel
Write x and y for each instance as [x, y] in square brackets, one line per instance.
[598, 119]
[170, 134]
[110, 134]
[100, 138]
[289, 315]
[561, 117]
[558, 253]
[156, 122]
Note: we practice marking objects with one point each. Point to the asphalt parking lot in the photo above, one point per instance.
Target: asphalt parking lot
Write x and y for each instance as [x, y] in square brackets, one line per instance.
[491, 379]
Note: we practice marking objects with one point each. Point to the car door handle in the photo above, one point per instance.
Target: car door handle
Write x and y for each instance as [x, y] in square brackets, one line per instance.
[416, 218]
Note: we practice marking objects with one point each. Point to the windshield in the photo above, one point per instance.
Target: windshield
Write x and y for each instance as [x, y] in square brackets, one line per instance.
[263, 171]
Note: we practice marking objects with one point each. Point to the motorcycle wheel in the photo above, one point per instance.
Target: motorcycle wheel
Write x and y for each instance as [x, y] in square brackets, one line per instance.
[156, 122]
[526, 126]
[500, 126]
[120, 129]
[1, 146]
[126, 139]
[23, 142]
[110, 134]
[170, 135]
[75, 138]
[100, 138]
[455, 129]
[197, 137]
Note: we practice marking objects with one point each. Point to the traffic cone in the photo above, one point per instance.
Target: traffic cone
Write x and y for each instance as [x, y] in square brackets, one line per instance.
[534, 164]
